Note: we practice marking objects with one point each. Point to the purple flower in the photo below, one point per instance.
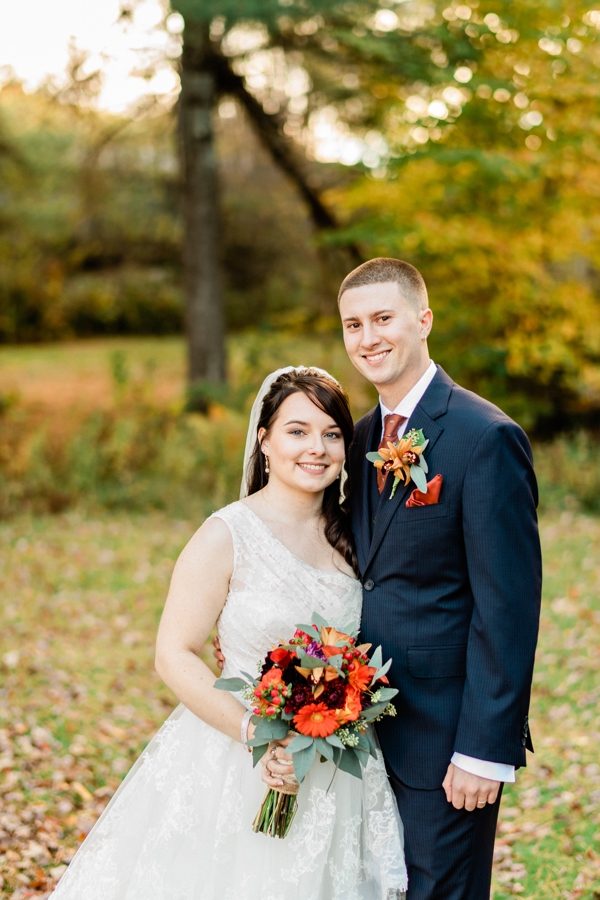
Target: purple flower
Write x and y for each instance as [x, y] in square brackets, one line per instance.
[314, 649]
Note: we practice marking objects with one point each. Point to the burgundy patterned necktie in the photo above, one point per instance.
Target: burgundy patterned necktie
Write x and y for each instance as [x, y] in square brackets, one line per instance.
[391, 424]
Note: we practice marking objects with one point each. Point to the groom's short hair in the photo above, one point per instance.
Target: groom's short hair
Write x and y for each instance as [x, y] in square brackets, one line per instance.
[384, 270]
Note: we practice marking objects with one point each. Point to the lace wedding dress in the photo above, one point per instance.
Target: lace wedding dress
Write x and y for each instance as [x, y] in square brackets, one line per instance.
[180, 825]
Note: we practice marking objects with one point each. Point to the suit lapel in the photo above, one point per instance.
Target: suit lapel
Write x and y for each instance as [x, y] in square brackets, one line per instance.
[360, 502]
[433, 404]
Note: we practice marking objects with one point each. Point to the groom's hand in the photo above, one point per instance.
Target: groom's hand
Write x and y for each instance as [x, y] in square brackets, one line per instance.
[217, 653]
[467, 791]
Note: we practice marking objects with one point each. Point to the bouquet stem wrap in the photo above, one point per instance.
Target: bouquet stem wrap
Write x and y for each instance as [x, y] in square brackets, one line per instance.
[278, 809]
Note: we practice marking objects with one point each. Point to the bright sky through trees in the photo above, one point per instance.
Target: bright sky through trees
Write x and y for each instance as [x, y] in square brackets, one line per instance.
[35, 37]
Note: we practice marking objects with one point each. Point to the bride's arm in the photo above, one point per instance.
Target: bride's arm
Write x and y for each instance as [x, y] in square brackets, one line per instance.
[197, 594]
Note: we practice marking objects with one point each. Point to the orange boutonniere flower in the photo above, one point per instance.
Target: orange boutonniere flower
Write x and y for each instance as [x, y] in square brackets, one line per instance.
[405, 459]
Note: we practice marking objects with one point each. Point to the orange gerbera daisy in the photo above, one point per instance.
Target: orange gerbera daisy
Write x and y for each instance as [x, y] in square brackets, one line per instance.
[316, 720]
[360, 678]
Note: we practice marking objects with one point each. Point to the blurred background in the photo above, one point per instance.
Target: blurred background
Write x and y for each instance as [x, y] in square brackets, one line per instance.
[182, 188]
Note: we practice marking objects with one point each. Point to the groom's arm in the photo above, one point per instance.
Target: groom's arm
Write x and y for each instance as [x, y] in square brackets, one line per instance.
[504, 565]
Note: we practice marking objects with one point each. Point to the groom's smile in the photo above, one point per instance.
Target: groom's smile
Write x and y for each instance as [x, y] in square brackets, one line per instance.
[374, 358]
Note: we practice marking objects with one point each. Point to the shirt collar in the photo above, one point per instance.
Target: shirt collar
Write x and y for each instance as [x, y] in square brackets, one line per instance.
[407, 405]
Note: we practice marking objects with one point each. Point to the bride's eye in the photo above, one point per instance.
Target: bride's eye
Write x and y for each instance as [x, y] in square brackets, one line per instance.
[297, 431]
[333, 434]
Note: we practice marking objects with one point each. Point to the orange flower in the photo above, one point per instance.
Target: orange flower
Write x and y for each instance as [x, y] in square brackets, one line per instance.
[316, 720]
[281, 657]
[360, 678]
[352, 709]
[271, 678]
[332, 636]
[399, 458]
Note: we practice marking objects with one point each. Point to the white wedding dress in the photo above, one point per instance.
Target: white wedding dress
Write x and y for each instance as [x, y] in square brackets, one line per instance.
[180, 825]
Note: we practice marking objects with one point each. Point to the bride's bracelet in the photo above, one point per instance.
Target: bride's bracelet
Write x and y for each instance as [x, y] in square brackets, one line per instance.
[244, 727]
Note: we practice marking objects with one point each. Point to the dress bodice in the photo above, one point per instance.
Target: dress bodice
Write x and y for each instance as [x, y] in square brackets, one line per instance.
[272, 590]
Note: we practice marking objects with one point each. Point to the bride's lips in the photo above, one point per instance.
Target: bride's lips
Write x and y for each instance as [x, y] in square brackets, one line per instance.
[373, 359]
[313, 468]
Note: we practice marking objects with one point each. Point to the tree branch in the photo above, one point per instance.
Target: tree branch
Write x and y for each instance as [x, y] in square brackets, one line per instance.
[277, 145]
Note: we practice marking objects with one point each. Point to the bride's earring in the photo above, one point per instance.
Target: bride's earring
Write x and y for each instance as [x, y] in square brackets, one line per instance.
[267, 470]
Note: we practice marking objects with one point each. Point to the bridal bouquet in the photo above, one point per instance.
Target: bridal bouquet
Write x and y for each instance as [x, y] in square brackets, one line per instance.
[323, 689]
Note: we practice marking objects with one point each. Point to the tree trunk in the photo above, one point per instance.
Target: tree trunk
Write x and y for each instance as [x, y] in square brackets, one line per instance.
[201, 243]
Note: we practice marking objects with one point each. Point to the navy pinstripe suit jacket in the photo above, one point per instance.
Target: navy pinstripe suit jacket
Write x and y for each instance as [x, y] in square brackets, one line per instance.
[452, 591]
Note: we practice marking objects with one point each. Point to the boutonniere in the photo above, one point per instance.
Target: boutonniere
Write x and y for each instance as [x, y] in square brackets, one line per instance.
[405, 459]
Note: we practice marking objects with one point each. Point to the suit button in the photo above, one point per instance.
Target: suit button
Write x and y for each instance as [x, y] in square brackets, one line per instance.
[369, 585]
[524, 741]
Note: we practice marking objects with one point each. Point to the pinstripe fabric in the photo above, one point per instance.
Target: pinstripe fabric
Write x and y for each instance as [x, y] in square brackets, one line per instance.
[456, 586]
[449, 852]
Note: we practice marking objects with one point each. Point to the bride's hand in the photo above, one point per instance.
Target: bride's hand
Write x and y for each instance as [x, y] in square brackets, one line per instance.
[276, 762]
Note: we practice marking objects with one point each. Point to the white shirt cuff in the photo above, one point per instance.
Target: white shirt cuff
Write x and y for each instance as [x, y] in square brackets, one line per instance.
[484, 769]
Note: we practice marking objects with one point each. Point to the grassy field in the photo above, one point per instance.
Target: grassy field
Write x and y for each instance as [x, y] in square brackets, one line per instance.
[79, 697]
[78, 376]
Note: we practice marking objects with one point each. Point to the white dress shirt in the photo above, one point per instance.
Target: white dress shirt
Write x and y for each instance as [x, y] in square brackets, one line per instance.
[406, 407]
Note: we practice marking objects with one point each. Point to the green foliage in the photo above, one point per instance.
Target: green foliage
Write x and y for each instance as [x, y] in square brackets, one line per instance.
[568, 471]
[479, 125]
[133, 458]
[90, 225]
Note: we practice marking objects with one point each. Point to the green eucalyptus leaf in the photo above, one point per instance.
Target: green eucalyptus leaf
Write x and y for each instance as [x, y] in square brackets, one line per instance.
[258, 752]
[310, 662]
[335, 661]
[362, 755]
[307, 629]
[374, 457]
[376, 660]
[363, 742]
[386, 693]
[418, 476]
[373, 711]
[372, 747]
[334, 740]
[349, 762]
[230, 684]
[381, 672]
[423, 464]
[303, 760]
[271, 729]
[301, 742]
[324, 748]
[319, 621]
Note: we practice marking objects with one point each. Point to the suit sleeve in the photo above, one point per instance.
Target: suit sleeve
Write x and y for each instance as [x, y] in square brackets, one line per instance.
[504, 565]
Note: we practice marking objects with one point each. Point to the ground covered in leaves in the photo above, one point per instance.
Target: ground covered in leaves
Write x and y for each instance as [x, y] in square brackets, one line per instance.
[79, 697]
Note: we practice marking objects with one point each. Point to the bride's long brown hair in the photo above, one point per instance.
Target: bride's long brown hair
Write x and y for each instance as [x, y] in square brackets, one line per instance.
[328, 396]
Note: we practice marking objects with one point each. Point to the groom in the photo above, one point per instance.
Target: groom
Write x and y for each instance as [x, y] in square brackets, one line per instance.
[451, 584]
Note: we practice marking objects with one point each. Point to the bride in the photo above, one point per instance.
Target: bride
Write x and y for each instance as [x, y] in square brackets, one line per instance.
[180, 825]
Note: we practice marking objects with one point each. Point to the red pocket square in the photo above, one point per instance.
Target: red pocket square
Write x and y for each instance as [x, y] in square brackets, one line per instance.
[418, 498]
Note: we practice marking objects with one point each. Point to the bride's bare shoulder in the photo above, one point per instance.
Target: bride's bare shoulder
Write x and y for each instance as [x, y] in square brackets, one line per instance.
[210, 544]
